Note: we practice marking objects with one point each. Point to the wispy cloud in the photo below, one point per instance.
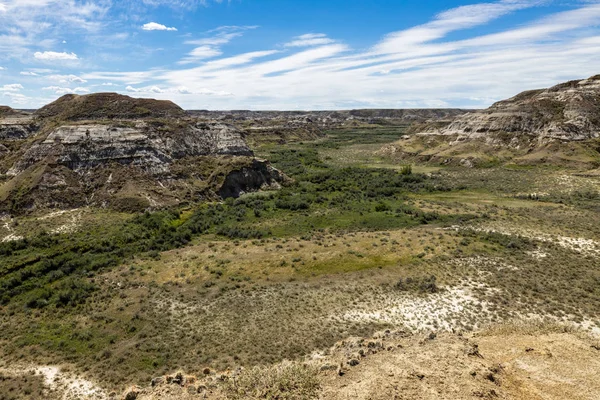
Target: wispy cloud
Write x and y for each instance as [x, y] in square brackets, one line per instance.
[13, 87]
[65, 79]
[180, 4]
[182, 90]
[417, 67]
[310, 39]
[55, 56]
[210, 46]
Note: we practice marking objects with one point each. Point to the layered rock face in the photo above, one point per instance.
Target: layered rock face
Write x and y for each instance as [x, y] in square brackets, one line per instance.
[569, 111]
[81, 147]
[112, 150]
[16, 128]
[559, 125]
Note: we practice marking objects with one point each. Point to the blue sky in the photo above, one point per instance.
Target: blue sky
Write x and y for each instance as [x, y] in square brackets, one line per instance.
[277, 54]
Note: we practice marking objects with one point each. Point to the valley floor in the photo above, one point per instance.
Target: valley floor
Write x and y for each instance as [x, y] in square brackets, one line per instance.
[283, 276]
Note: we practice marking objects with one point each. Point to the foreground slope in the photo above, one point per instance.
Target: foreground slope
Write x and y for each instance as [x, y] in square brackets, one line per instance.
[509, 362]
[559, 125]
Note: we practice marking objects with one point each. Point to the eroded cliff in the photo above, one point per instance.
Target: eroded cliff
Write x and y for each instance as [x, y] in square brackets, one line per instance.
[112, 150]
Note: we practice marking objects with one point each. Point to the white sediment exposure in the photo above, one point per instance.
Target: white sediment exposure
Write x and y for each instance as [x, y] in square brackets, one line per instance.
[10, 236]
[452, 308]
[71, 225]
[70, 386]
[581, 245]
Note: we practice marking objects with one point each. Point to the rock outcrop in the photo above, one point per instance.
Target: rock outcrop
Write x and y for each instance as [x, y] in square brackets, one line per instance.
[112, 150]
[81, 147]
[568, 112]
[258, 175]
[17, 127]
[559, 125]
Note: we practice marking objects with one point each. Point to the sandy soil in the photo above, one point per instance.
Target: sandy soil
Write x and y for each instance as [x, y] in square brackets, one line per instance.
[507, 363]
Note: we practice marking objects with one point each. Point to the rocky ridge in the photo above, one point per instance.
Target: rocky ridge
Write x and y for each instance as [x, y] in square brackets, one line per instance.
[569, 111]
[559, 125]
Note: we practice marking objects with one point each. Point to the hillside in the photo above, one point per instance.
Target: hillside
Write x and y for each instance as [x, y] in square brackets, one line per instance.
[559, 125]
[112, 150]
[6, 111]
[515, 363]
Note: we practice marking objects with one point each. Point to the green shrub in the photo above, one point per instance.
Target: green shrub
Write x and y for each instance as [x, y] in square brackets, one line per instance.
[406, 170]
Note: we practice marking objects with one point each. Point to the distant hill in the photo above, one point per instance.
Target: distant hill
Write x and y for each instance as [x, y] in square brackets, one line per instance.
[569, 111]
[72, 107]
[6, 111]
[260, 127]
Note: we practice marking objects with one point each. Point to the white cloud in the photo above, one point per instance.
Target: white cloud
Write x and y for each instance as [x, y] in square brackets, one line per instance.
[179, 4]
[240, 59]
[310, 39]
[66, 79]
[41, 70]
[201, 53]
[64, 90]
[180, 90]
[17, 98]
[54, 56]
[422, 66]
[456, 19]
[222, 35]
[419, 67]
[153, 26]
[28, 73]
[2, 69]
[14, 87]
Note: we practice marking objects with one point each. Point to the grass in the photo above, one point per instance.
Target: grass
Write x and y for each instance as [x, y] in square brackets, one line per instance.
[289, 381]
[22, 387]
